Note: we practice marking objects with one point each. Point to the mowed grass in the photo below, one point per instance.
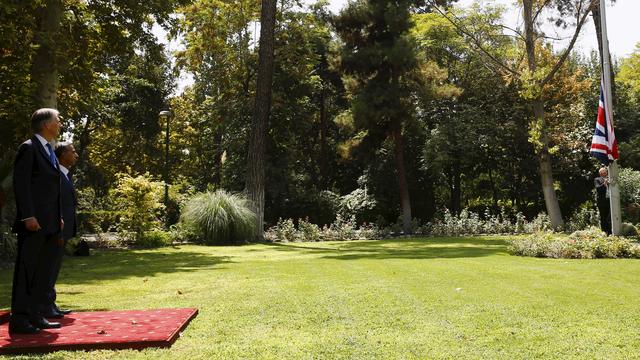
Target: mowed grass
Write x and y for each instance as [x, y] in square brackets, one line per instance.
[458, 298]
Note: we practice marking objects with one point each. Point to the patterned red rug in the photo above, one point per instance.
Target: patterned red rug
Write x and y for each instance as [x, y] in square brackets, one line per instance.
[134, 329]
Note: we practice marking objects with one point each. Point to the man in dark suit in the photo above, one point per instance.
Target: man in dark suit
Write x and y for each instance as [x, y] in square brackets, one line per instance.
[36, 184]
[602, 199]
[67, 157]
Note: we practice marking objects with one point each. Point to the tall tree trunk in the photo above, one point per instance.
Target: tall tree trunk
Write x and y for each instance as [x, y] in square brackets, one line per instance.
[44, 70]
[456, 193]
[217, 159]
[546, 174]
[405, 202]
[255, 183]
[323, 140]
[494, 191]
[544, 158]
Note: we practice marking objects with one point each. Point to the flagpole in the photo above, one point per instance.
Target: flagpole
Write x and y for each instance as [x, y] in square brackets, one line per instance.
[614, 188]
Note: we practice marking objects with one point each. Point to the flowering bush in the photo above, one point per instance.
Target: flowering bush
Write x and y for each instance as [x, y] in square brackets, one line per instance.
[340, 230]
[585, 244]
[542, 243]
[470, 223]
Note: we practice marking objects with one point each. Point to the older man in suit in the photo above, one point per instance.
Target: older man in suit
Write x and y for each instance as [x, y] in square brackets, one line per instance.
[36, 184]
[67, 157]
[602, 199]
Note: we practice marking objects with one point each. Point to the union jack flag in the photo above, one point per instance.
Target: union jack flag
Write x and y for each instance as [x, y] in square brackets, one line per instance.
[604, 145]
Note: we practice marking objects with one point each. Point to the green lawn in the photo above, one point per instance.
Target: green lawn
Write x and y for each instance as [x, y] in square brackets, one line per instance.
[417, 298]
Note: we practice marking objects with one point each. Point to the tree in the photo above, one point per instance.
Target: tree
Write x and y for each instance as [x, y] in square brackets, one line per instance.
[480, 167]
[534, 71]
[628, 109]
[377, 56]
[255, 182]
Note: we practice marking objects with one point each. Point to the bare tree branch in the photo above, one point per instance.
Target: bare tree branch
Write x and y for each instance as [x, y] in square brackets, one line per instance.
[539, 11]
[475, 40]
[552, 38]
[518, 33]
[581, 20]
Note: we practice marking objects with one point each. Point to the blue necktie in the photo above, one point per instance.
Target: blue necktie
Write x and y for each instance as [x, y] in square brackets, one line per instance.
[52, 156]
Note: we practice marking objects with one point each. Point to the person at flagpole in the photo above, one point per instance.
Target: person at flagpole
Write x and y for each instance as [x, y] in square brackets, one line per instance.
[602, 200]
[604, 144]
[604, 147]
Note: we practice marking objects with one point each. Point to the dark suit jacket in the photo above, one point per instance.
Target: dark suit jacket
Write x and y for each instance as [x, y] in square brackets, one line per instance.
[36, 185]
[69, 204]
[601, 190]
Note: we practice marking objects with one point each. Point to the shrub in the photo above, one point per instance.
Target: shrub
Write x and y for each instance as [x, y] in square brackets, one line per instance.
[586, 216]
[628, 230]
[220, 218]
[583, 244]
[155, 239]
[93, 221]
[105, 241]
[71, 245]
[310, 232]
[345, 229]
[471, 223]
[358, 204]
[542, 222]
[285, 230]
[629, 181]
[96, 214]
[138, 199]
[183, 232]
[370, 231]
[340, 230]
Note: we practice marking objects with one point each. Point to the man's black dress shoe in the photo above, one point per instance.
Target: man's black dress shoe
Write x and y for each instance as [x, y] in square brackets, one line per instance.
[22, 327]
[50, 312]
[43, 323]
[61, 311]
[52, 315]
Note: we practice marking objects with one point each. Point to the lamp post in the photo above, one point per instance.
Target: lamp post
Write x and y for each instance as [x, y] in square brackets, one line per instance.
[166, 114]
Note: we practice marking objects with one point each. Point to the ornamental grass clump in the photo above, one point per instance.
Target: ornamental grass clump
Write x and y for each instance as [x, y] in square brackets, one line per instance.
[585, 244]
[220, 218]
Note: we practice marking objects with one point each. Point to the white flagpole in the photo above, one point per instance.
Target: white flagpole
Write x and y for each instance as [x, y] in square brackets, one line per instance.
[614, 188]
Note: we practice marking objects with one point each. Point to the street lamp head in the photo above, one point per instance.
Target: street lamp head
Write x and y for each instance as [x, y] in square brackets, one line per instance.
[164, 113]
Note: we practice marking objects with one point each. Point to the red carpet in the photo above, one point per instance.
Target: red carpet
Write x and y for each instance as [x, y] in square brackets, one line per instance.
[134, 329]
[4, 316]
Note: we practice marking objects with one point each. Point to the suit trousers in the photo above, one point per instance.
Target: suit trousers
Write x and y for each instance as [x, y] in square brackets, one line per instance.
[605, 215]
[31, 274]
[55, 263]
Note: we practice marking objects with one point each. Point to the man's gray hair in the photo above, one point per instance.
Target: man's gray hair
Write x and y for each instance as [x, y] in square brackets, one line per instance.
[42, 116]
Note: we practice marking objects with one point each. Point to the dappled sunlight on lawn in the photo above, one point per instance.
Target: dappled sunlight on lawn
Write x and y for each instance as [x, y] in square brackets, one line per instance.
[413, 248]
[456, 297]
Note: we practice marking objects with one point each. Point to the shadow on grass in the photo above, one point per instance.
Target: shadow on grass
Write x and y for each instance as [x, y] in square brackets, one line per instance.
[119, 264]
[429, 248]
